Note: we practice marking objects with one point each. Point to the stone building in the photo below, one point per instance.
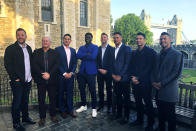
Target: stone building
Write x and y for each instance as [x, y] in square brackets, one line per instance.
[53, 18]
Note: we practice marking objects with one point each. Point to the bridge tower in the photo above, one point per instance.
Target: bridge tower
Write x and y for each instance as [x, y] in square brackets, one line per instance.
[146, 18]
[176, 34]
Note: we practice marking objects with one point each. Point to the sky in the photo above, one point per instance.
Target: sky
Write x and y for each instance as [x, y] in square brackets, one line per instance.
[160, 11]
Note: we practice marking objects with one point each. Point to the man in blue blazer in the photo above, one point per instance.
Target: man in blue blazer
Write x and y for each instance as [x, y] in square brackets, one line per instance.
[120, 74]
[87, 73]
[68, 63]
[141, 66]
[165, 80]
[104, 64]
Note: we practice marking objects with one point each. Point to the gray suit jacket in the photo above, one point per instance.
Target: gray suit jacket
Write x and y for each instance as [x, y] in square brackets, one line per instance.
[168, 73]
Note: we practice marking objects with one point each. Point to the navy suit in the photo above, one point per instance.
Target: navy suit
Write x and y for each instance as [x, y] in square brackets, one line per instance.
[122, 88]
[66, 85]
[87, 72]
[141, 67]
[106, 64]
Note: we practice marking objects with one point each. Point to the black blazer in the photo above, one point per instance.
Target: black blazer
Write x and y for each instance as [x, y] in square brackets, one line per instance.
[107, 59]
[38, 66]
[120, 65]
[14, 61]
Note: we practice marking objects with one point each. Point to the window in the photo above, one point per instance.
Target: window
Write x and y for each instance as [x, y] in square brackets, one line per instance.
[47, 10]
[83, 12]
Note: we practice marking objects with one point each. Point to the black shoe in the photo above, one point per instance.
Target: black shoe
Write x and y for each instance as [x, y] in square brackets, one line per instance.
[28, 121]
[124, 121]
[136, 123]
[149, 128]
[18, 127]
[100, 108]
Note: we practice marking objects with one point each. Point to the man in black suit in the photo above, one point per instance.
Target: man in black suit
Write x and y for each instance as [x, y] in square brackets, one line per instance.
[104, 63]
[67, 68]
[17, 60]
[141, 66]
[45, 69]
[121, 78]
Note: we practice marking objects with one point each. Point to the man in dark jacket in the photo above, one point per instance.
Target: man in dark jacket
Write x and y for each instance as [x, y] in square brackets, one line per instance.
[17, 60]
[141, 66]
[45, 69]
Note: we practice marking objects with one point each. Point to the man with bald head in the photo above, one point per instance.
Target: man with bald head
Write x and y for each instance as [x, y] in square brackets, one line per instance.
[45, 69]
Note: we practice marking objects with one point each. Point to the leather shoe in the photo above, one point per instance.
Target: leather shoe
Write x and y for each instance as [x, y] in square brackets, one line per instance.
[64, 115]
[109, 110]
[100, 108]
[18, 127]
[72, 115]
[124, 121]
[28, 121]
[54, 119]
[41, 122]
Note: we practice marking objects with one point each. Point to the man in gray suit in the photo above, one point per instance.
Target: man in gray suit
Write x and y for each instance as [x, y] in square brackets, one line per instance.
[165, 80]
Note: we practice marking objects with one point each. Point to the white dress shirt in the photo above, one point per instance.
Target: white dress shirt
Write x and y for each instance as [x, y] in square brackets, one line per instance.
[117, 49]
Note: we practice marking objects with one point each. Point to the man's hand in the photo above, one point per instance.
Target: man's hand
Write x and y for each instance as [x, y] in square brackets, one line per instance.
[157, 85]
[68, 75]
[102, 71]
[46, 76]
[116, 77]
[135, 80]
[17, 80]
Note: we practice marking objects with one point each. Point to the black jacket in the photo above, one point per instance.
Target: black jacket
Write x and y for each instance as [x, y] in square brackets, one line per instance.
[107, 59]
[38, 66]
[14, 61]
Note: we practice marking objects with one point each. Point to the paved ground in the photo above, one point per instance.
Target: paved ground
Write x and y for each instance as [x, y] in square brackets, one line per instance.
[84, 122]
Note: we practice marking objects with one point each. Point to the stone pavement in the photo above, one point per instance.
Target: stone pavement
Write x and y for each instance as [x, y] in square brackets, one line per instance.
[84, 122]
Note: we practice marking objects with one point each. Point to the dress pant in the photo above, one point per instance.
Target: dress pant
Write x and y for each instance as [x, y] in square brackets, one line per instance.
[122, 91]
[84, 79]
[51, 88]
[101, 79]
[140, 94]
[66, 94]
[20, 100]
[166, 113]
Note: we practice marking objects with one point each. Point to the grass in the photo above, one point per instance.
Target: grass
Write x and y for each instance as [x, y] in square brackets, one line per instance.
[189, 76]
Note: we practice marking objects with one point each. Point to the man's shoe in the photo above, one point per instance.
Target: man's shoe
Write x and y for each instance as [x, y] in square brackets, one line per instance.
[72, 115]
[54, 119]
[28, 121]
[41, 122]
[100, 108]
[18, 127]
[149, 128]
[94, 113]
[64, 115]
[109, 110]
[81, 109]
[136, 123]
[124, 121]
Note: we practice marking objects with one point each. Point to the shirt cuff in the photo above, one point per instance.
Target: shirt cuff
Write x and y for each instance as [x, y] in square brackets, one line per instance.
[64, 73]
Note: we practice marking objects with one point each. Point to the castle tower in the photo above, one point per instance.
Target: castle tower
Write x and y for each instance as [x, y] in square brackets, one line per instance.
[146, 18]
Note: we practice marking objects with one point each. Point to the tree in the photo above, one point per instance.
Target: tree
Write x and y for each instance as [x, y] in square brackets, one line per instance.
[129, 25]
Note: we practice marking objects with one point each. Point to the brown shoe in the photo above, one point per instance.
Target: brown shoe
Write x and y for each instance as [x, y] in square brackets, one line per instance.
[64, 115]
[41, 122]
[72, 115]
[54, 119]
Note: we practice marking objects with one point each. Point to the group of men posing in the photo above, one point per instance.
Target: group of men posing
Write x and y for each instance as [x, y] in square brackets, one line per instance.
[116, 67]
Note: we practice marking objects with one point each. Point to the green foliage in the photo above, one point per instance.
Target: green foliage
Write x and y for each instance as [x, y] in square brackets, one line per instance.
[129, 25]
[189, 75]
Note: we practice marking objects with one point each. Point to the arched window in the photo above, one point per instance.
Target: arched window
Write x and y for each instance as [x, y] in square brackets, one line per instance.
[83, 12]
[47, 10]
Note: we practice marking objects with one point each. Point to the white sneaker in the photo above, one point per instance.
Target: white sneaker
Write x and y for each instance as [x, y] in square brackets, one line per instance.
[94, 112]
[81, 109]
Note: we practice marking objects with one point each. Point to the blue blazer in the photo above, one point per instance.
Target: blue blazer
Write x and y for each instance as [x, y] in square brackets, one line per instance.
[121, 63]
[88, 55]
[63, 60]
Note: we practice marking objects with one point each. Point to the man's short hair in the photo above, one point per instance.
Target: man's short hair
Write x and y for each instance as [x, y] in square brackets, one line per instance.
[165, 33]
[104, 34]
[20, 29]
[117, 33]
[142, 34]
[67, 35]
[88, 33]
